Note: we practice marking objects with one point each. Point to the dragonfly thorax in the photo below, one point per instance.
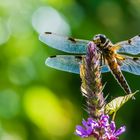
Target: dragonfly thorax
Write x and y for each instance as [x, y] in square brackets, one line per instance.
[100, 40]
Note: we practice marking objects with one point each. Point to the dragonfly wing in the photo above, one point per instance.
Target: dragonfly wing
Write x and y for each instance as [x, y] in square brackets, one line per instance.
[66, 44]
[131, 46]
[131, 65]
[65, 63]
[69, 63]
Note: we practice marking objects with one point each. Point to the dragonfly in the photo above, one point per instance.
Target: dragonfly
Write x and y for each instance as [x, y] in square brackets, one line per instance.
[118, 57]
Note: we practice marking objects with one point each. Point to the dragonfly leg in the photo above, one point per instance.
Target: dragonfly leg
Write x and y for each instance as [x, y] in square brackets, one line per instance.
[101, 60]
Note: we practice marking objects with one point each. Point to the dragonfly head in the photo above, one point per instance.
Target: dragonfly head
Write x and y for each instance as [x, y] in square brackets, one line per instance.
[99, 39]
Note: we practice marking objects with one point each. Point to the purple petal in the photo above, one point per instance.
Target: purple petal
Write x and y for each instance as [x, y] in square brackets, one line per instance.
[113, 138]
[90, 120]
[84, 123]
[89, 131]
[104, 120]
[80, 131]
[104, 117]
[92, 123]
[109, 136]
[120, 131]
[112, 126]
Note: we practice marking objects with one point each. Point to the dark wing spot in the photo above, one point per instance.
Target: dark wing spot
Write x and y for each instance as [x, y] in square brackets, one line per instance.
[138, 35]
[78, 57]
[129, 41]
[135, 58]
[72, 39]
[53, 56]
[48, 32]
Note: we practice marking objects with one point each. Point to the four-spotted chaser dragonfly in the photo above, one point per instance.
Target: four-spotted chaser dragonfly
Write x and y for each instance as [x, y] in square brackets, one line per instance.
[117, 57]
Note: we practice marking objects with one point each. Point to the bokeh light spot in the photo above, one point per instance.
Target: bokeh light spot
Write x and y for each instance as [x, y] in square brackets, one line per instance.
[4, 31]
[45, 110]
[9, 103]
[8, 136]
[20, 27]
[21, 71]
[48, 19]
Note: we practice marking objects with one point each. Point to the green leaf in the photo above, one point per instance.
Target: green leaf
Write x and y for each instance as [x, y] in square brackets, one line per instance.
[117, 103]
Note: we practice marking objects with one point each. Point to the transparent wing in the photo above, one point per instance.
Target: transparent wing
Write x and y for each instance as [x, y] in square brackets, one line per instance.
[131, 46]
[131, 65]
[66, 44]
[69, 63]
[65, 63]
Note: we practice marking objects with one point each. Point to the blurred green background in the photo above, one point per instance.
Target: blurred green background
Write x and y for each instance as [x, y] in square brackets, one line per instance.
[40, 103]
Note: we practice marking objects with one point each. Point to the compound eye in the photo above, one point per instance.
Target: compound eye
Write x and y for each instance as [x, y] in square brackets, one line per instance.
[103, 39]
[96, 37]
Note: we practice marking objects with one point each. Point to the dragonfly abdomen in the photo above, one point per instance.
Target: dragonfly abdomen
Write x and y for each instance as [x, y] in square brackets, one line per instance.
[116, 71]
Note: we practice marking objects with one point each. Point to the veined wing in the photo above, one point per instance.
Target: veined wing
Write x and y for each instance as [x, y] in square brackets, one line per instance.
[69, 63]
[131, 46]
[131, 65]
[66, 44]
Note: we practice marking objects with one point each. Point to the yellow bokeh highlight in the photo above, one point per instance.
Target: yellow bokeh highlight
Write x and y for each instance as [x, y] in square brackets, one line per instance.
[46, 111]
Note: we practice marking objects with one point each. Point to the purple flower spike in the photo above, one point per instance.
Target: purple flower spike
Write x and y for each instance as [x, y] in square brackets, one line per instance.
[101, 129]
